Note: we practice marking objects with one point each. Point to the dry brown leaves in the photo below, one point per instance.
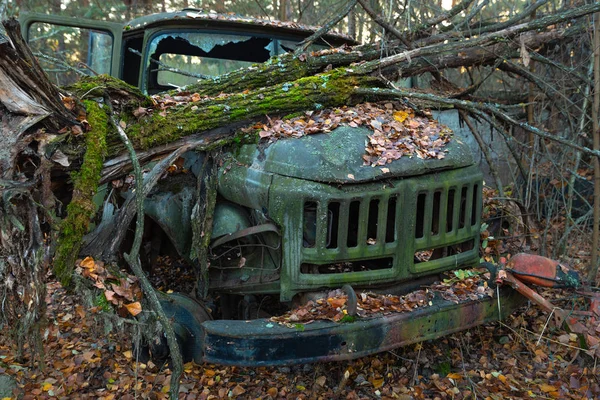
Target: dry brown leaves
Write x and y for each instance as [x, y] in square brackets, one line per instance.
[488, 362]
[161, 103]
[461, 285]
[124, 292]
[397, 131]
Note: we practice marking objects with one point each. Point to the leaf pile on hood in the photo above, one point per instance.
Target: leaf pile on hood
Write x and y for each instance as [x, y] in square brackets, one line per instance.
[461, 285]
[397, 131]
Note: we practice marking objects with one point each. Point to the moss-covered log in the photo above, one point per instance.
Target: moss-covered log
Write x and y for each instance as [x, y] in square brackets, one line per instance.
[81, 209]
[156, 128]
[324, 90]
[285, 68]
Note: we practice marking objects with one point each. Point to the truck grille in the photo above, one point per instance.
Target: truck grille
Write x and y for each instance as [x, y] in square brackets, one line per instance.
[435, 223]
[350, 223]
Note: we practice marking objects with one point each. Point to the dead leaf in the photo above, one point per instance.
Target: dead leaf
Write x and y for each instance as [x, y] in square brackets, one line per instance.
[525, 57]
[139, 112]
[87, 262]
[336, 302]
[60, 158]
[134, 308]
[69, 103]
[238, 390]
[400, 115]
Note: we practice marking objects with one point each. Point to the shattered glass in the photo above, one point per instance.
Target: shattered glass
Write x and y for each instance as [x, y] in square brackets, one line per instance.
[203, 41]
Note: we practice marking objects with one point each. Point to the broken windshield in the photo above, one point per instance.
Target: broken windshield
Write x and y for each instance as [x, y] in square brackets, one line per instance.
[178, 59]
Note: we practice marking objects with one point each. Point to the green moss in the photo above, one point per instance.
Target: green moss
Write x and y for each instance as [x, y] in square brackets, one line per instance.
[303, 94]
[100, 301]
[277, 69]
[293, 115]
[98, 86]
[81, 209]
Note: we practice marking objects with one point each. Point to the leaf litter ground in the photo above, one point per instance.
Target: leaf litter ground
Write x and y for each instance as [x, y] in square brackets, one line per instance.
[521, 358]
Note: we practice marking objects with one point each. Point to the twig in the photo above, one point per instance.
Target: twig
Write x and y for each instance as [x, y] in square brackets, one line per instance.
[510, 22]
[462, 363]
[383, 23]
[544, 86]
[133, 260]
[167, 68]
[303, 45]
[463, 5]
[58, 62]
[545, 326]
[416, 374]
[484, 149]
[555, 341]
[474, 11]
[481, 40]
[262, 9]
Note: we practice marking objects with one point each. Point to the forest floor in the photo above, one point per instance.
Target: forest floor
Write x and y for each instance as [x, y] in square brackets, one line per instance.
[524, 357]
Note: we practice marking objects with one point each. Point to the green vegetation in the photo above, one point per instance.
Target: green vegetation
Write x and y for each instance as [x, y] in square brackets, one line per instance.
[308, 93]
[81, 209]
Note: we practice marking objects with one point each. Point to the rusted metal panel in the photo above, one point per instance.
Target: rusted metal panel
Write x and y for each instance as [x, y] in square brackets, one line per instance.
[263, 342]
[542, 271]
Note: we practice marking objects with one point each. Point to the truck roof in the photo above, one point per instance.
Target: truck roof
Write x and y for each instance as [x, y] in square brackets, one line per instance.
[228, 21]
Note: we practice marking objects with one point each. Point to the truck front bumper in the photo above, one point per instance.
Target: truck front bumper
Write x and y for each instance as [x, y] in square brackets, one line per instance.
[263, 342]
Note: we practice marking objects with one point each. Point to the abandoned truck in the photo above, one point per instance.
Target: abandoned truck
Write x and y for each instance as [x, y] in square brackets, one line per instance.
[298, 217]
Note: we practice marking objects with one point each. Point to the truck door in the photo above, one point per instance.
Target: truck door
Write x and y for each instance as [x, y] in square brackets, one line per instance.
[70, 47]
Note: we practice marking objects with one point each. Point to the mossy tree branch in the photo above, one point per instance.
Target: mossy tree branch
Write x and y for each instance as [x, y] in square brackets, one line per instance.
[81, 209]
[202, 222]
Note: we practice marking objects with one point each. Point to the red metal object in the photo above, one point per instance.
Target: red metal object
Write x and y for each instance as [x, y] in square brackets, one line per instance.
[505, 276]
[542, 271]
[545, 272]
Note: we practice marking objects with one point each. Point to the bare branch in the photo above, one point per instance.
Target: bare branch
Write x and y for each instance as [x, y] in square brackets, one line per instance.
[133, 259]
[483, 40]
[325, 28]
[383, 23]
[485, 150]
[512, 21]
[463, 5]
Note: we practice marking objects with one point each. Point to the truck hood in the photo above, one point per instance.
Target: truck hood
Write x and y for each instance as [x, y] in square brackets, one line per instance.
[336, 157]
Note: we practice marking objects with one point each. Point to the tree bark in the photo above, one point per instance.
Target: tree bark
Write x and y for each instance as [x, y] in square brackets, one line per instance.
[593, 274]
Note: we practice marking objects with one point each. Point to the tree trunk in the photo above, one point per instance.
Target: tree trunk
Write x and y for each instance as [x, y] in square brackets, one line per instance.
[595, 264]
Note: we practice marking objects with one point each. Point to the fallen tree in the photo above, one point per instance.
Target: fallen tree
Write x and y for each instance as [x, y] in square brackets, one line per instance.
[59, 145]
